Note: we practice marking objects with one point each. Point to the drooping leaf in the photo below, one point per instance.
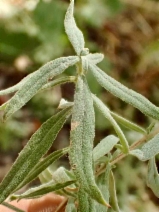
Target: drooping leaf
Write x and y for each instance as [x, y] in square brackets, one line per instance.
[125, 94]
[70, 207]
[81, 144]
[42, 165]
[106, 112]
[36, 82]
[43, 189]
[113, 196]
[37, 146]
[104, 147]
[128, 124]
[148, 150]
[74, 34]
[153, 177]
[103, 184]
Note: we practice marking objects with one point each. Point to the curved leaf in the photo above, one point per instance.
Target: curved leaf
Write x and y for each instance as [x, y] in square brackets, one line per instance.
[37, 146]
[106, 112]
[94, 58]
[125, 94]
[36, 82]
[74, 34]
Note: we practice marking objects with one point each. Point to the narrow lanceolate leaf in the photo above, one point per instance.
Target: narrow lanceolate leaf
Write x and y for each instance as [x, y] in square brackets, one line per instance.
[16, 87]
[125, 94]
[13, 208]
[148, 150]
[42, 165]
[128, 124]
[83, 204]
[106, 112]
[103, 184]
[70, 207]
[153, 177]
[74, 34]
[43, 189]
[37, 81]
[104, 147]
[37, 146]
[82, 136]
[113, 196]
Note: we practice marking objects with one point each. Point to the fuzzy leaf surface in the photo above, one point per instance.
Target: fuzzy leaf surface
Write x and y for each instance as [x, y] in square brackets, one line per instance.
[82, 136]
[37, 146]
[36, 82]
[94, 58]
[105, 146]
[125, 94]
[74, 34]
[42, 165]
[153, 177]
[106, 113]
[44, 189]
[70, 207]
[148, 150]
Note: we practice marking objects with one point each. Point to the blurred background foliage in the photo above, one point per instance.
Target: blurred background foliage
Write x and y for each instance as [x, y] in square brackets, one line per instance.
[125, 31]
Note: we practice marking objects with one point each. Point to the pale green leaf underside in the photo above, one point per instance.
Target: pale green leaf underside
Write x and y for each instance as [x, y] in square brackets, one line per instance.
[104, 147]
[153, 177]
[148, 150]
[95, 58]
[125, 94]
[37, 146]
[106, 113]
[42, 165]
[44, 189]
[74, 34]
[37, 81]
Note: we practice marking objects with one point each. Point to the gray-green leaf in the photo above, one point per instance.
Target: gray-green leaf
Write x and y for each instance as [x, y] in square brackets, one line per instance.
[37, 81]
[70, 207]
[74, 34]
[153, 177]
[94, 58]
[105, 146]
[125, 94]
[43, 189]
[148, 150]
[106, 112]
[37, 146]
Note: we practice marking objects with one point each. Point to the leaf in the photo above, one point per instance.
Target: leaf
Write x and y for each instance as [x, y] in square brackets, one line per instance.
[61, 175]
[106, 112]
[94, 58]
[125, 94]
[153, 177]
[37, 81]
[81, 140]
[104, 147]
[70, 207]
[38, 145]
[103, 184]
[113, 196]
[148, 150]
[74, 34]
[128, 124]
[83, 204]
[6, 204]
[43, 189]
[15, 87]
[42, 165]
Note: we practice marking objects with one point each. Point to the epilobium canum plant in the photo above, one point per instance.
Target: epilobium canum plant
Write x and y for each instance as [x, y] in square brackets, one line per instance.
[89, 185]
